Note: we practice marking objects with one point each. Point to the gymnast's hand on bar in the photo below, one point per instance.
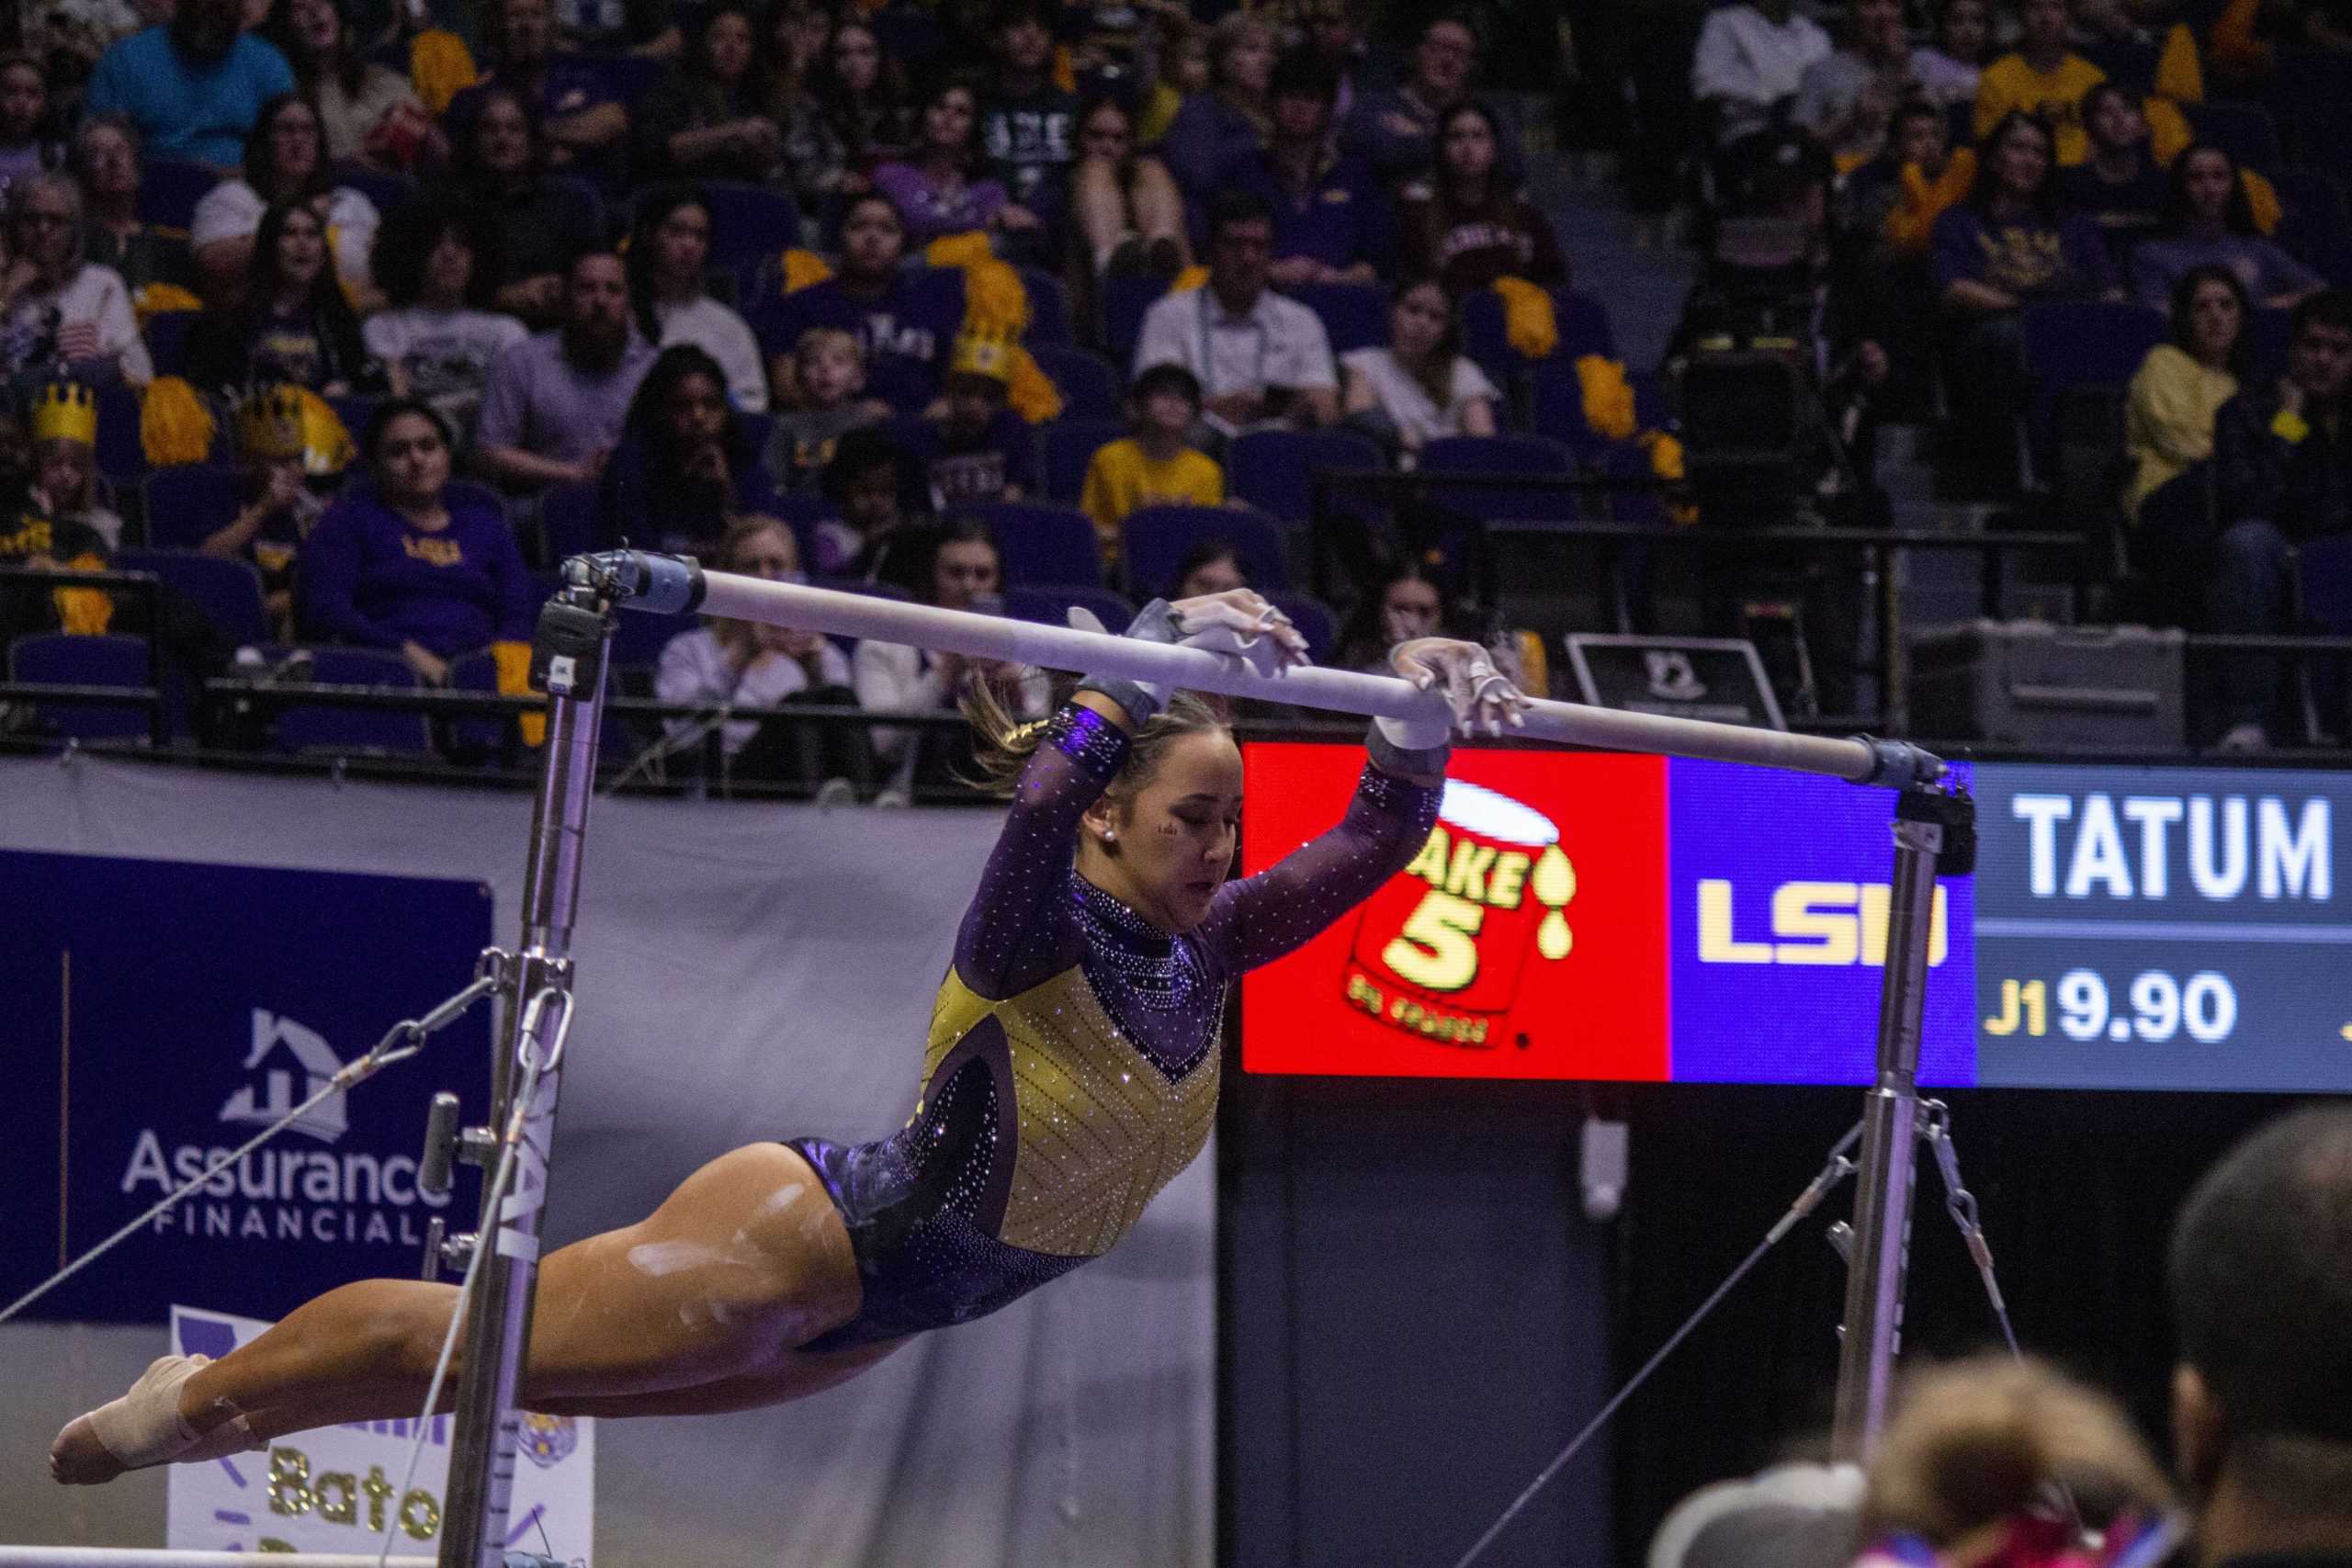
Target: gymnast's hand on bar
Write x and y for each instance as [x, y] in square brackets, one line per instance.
[1482, 697]
[1241, 623]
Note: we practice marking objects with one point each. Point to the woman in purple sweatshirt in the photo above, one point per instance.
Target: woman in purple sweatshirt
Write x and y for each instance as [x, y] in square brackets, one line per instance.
[408, 564]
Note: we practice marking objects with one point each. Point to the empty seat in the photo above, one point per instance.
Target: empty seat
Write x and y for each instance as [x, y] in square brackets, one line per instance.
[1048, 309]
[1274, 470]
[1533, 454]
[320, 726]
[1354, 315]
[749, 223]
[2246, 131]
[1045, 545]
[1125, 301]
[227, 590]
[186, 505]
[1088, 383]
[61, 659]
[1065, 448]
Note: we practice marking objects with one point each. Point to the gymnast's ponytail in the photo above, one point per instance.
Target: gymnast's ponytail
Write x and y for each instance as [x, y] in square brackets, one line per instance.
[1003, 744]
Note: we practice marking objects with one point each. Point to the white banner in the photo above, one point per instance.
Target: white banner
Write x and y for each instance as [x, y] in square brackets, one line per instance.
[338, 1488]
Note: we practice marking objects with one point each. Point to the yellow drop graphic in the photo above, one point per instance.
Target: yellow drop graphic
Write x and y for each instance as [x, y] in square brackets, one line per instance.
[1555, 882]
[1552, 938]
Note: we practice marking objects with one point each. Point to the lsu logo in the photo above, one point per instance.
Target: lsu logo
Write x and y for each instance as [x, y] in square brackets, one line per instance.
[1831, 923]
[546, 1440]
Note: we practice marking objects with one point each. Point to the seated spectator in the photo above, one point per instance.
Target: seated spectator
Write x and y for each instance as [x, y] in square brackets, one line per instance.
[59, 315]
[1467, 225]
[440, 266]
[26, 146]
[903, 321]
[2168, 420]
[933, 187]
[555, 404]
[976, 450]
[568, 101]
[1894, 199]
[872, 540]
[1182, 73]
[1228, 122]
[744, 666]
[2283, 472]
[285, 162]
[1259, 357]
[709, 120]
[2043, 77]
[684, 469]
[1750, 62]
[1212, 566]
[2208, 223]
[1408, 605]
[964, 572]
[668, 249]
[105, 163]
[277, 507]
[1129, 215]
[405, 563]
[1422, 386]
[2119, 185]
[1847, 99]
[66, 485]
[1333, 31]
[1396, 129]
[194, 86]
[856, 115]
[292, 323]
[1964, 42]
[829, 384]
[369, 113]
[2261, 1418]
[1029, 124]
[497, 164]
[71, 36]
[1155, 466]
[2111, 34]
[603, 28]
[31, 537]
[1332, 221]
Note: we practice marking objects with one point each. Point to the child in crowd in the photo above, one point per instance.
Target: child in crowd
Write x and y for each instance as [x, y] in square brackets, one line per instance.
[977, 450]
[828, 379]
[279, 507]
[66, 486]
[24, 117]
[1153, 466]
[868, 481]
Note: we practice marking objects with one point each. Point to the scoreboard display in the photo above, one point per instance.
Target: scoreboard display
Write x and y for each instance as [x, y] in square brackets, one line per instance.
[1588, 917]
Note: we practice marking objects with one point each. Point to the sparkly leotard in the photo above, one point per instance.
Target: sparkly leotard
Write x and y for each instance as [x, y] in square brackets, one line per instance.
[1072, 1069]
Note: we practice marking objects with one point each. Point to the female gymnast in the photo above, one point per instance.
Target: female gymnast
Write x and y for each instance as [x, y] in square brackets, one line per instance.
[1071, 1072]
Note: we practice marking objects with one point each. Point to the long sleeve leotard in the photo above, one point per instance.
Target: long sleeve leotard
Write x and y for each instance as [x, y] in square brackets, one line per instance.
[1072, 1067]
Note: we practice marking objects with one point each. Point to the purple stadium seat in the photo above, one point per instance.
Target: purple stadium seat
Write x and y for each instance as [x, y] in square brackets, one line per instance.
[1354, 315]
[169, 189]
[1048, 310]
[1045, 545]
[750, 222]
[1154, 540]
[1088, 383]
[1052, 605]
[1125, 300]
[1274, 470]
[228, 592]
[318, 728]
[188, 503]
[1065, 448]
[86, 662]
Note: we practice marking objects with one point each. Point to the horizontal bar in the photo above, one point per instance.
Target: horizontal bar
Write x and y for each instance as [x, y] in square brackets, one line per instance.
[71, 577]
[70, 692]
[130, 1557]
[1757, 538]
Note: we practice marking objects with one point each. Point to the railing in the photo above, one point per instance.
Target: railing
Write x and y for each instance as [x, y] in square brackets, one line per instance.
[144, 586]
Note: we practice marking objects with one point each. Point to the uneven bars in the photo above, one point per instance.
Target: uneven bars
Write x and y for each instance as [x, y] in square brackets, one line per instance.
[130, 1557]
[667, 585]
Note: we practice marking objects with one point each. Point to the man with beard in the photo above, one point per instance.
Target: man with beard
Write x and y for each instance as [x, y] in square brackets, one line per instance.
[556, 403]
[194, 86]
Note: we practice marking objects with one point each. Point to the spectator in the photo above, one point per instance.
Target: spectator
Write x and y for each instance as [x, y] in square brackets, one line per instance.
[1467, 224]
[1155, 466]
[105, 160]
[1395, 129]
[857, 116]
[1752, 59]
[71, 35]
[498, 165]
[292, 323]
[2282, 469]
[1894, 199]
[976, 450]
[2207, 222]
[1334, 33]
[903, 321]
[1260, 358]
[1408, 605]
[2169, 419]
[828, 378]
[1422, 386]
[1029, 126]
[1212, 566]
[2110, 35]
[31, 536]
[1964, 42]
[647, 29]
[369, 113]
[964, 572]
[568, 101]
[1130, 215]
[1846, 99]
[2261, 1414]
[439, 265]
[2043, 78]
[868, 481]
[1330, 220]
[277, 507]
[744, 666]
[2119, 186]
[712, 120]
[1231, 120]
[26, 146]
[60, 314]
[933, 187]
[66, 486]
[685, 469]
[795, 36]
[1182, 75]
[408, 563]
[194, 86]
[667, 252]
[556, 403]
[285, 162]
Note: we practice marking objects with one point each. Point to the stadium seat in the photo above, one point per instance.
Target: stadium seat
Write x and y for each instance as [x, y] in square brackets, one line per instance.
[357, 412]
[318, 727]
[1275, 470]
[389, 192]
[1502, 454]
[568, 520]
[2077, 348]
[169, 189]
[1065, 448]
[1582, 322]
[749, 223]
[1354, 315]
[86, 662]
[2246, 131]
[1154, 540]
[165, 334]
[188, 505]
[2265, 341]
[1048, 309]
[2313, 224]
[2323, 566]
[120, 456]
[1314, 620]
[1088, 383]
[227, 590]
[1052, 605]
[1125, 300]
[1045, 545]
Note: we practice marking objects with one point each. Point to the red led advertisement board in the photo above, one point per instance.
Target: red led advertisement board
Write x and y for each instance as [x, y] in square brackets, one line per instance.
[1523, 942]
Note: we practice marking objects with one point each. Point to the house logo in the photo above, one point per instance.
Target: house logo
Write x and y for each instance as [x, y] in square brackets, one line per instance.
[293, 1055]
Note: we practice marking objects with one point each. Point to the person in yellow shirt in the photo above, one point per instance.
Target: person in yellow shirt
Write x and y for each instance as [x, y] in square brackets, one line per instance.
[1155, 466]
[2044, 78]
[2168, 421]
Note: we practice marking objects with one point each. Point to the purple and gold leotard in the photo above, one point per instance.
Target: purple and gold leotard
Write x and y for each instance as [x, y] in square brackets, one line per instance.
[1072, 1069]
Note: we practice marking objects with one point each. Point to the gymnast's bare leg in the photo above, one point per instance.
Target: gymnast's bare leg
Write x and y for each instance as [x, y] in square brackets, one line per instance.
[697, 1310]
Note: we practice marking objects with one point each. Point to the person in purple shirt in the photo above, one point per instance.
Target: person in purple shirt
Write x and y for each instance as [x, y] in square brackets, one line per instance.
[2209, 222]
[408, 564]
[933, 187]
[904, 321]
[978, 450]
[571, 102]
[685, 469]
[1215, 128]
[1331, 224]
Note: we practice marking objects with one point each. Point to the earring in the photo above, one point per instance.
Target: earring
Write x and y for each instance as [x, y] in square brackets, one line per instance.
[1110, 835]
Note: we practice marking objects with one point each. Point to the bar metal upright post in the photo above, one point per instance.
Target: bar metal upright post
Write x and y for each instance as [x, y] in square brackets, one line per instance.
[1933, 829]
[568, 660]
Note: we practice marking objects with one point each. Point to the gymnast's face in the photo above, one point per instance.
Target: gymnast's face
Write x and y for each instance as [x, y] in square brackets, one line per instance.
[1169, 847]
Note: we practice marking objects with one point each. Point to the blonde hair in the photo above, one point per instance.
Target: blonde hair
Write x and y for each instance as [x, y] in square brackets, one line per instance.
[1002, 744]
[740, 532]
[817, 340]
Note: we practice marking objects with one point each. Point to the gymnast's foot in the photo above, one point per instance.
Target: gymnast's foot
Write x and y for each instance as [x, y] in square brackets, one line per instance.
[144, 1427]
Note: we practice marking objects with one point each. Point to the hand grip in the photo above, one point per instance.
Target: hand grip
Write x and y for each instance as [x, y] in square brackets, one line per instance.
[440, 1143]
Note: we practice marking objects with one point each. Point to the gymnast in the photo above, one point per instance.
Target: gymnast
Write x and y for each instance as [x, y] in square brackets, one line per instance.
[1071, 1072]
